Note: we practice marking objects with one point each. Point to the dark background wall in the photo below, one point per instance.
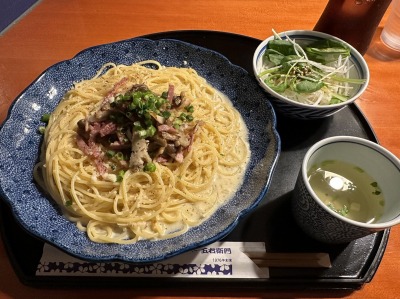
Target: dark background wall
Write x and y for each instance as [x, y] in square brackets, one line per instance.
[10, 10]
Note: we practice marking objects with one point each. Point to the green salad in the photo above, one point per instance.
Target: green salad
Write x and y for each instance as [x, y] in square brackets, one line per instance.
[317, 73]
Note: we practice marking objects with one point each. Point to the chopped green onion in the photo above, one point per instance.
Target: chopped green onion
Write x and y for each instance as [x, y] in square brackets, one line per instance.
[119, 156]
[110, 153]
[166, 114]
[142, 133]
[189, 108]
[45, 117]
[182, 116]
[120, 175]
[343, 211]
[150, 167]
[160, 102]
[126, 97]
[42, 129]
[137, 126]
[151, 131]
[177, 123]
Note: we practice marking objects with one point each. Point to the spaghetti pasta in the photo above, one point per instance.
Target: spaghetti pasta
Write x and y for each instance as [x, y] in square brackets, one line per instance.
[177, 193]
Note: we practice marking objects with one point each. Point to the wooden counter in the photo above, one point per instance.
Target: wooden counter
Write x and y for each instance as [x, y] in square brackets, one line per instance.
[57, 30]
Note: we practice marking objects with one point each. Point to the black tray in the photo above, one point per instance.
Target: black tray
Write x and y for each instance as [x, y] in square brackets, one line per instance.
[353, 264]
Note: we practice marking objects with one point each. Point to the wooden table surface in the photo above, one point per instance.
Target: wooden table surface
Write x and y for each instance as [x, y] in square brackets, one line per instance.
[56, 30]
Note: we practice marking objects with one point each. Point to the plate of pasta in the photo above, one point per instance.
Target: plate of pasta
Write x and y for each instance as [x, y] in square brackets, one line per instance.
[137, 150]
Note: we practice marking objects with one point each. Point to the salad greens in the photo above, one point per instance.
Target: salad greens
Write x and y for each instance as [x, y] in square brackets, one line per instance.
[316, 73]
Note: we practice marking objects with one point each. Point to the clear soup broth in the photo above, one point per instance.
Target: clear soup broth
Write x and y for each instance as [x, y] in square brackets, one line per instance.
[348, 190]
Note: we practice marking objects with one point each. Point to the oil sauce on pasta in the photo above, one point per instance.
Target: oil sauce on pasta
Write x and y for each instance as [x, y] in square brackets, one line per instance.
[225, 184]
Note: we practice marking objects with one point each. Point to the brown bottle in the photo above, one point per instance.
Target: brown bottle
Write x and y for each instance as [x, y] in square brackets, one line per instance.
[354, 21]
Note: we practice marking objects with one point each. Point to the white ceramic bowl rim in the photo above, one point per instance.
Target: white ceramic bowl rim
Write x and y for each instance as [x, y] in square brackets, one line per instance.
[363, 142]
[359, 60]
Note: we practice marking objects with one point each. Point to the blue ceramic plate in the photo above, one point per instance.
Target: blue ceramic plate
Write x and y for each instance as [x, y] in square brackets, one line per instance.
[20, 146]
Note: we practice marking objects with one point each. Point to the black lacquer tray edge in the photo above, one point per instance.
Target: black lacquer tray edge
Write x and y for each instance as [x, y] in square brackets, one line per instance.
[27, 274]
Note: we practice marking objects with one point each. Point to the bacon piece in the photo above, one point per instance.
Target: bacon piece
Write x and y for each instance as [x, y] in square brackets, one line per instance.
[89, 149]
[107, 129]
[116, 88]
[105, 105]
[179, 157]
[116, 145]
[191, 135]
[92, 150]
[101, 168]
[167, 128]
[170, 95]
[161, 159]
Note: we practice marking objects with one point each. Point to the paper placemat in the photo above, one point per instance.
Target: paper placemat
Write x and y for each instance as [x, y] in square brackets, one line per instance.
[217, 260]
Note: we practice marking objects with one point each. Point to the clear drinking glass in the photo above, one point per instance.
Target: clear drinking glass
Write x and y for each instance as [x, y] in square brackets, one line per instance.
[391, 32]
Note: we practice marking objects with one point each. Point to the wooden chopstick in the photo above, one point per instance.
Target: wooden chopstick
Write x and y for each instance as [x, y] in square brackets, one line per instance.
[303, 260]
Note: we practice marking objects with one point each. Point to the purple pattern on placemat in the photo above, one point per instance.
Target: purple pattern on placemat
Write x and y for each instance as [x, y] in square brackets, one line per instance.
[134, 269]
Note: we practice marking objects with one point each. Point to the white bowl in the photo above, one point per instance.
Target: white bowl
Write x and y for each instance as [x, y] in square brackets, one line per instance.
[328, 226]
[296, 109]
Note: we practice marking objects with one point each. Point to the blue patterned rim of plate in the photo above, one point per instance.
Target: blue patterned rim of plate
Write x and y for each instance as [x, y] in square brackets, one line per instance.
[20, 146]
